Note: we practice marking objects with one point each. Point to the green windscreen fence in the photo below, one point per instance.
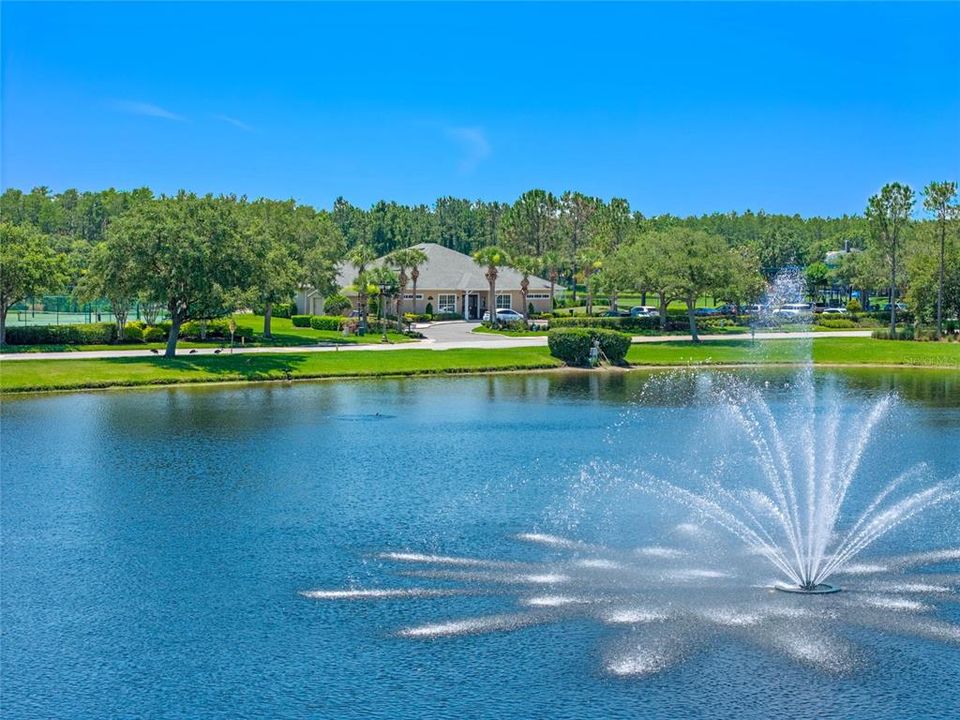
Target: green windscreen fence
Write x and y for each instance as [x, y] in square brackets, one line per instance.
[67, 310]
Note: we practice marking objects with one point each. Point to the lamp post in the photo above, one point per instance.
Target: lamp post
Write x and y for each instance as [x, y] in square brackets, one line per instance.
[383, 314]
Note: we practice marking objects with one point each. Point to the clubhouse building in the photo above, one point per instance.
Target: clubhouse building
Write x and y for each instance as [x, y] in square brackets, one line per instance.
[449, 282]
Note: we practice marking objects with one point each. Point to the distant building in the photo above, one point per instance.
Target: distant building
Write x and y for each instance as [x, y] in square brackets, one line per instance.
[835, 257]
[450, 282]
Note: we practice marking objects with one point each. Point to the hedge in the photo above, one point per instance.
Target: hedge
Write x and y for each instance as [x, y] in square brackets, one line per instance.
[327, 322]
[675, 323]
[572, 345]
[132, 333]
[216, 329]
[836, 323]
[300, 320]
[79, 334]
[154, 334]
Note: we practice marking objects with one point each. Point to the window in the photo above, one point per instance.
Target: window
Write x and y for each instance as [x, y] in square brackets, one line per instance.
[409, 296]
[504, 302]
[446, 303]
[538, 296]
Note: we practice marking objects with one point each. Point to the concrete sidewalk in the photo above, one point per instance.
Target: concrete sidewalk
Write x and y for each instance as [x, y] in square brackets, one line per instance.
[477, 340]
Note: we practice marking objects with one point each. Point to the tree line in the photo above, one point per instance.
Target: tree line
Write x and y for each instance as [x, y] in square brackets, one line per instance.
[199, 256]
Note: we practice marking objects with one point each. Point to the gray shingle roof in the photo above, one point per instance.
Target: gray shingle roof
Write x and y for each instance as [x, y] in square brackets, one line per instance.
[448, 269]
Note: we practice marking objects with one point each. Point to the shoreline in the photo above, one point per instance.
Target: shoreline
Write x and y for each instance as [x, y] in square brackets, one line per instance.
[453, 372]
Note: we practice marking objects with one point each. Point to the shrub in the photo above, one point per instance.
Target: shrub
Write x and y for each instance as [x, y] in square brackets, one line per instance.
[899, 334]
[429, 309]
[854, 306]
[215, 329]
[448, 316]
[572, 345]
[836, 323]
[154, 333]
[80, 334]
[326, 322]
[416, 317]
[284, 310]
[613, 344]
[300, 320]
[336, 303]
[132, 333]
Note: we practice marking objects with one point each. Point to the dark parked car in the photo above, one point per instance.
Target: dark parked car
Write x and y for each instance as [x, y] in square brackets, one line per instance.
[615, 313]
[706, 312]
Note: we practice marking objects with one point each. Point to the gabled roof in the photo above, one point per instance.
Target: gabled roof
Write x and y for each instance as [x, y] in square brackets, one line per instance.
[448, 269]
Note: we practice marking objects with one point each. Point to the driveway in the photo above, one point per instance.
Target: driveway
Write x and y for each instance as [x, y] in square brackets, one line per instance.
[458, 331]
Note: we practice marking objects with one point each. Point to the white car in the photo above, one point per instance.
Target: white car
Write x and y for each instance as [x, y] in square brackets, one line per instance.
[835, 311]
[639, 311]
[793, 310]
[504, 315]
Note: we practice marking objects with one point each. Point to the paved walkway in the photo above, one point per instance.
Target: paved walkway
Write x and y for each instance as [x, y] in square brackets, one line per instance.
[441, 336]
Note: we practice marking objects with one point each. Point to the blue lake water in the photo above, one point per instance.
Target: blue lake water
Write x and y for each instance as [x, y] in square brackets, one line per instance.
[155, 544]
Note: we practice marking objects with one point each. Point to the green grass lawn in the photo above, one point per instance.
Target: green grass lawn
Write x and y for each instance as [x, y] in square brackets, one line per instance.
[283, 332]
[827, 351]
[26, 375]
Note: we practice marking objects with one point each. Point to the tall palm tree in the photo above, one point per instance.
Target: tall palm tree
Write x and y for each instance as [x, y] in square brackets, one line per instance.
[490, 258]
[418, 258]
[552, 261]
[401, 260]
[526, 266]
[361, 256]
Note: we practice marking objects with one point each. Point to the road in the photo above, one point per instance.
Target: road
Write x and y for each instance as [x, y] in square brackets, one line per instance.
[440, 336]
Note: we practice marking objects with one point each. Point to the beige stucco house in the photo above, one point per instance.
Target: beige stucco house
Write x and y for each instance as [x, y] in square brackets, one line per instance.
[450, 282]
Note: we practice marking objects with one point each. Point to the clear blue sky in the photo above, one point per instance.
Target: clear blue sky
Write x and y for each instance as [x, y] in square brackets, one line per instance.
[683, 108]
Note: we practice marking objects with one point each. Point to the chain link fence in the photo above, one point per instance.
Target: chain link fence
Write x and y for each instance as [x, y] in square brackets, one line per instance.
[67, 310]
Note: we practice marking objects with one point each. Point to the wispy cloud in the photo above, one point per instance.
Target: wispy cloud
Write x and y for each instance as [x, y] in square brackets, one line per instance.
[474, 144]
[233, 121]
[134, 107]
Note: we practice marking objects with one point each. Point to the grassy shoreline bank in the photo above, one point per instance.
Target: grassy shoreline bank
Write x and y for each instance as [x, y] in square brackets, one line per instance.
[25, 376]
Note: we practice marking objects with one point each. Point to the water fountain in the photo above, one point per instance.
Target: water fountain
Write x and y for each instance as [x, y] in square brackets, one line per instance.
[786, 504]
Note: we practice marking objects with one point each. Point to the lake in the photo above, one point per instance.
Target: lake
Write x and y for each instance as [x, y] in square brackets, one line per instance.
[156, 545]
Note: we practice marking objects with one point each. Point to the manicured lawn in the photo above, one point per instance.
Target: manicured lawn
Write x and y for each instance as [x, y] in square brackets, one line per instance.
[283, 332]
[828, 351]
[23, 375]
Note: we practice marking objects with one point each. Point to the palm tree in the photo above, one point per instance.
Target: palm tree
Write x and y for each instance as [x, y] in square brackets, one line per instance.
[418, 258]
[551, 262]
[490, 258]
[361, 256]
[526, 266]
[401, 260]
[589, 259]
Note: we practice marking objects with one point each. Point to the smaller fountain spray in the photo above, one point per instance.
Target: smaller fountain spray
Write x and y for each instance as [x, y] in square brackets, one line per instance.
[791, 517]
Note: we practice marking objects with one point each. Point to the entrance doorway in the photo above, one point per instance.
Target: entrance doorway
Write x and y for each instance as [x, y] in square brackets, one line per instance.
[472, 310]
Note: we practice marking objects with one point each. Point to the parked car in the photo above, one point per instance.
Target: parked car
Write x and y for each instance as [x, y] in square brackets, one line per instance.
[726, 309]
[504, 315]
[639, 311]
[615, 313]
[754, 310]
[706, 311]
[793, 310]
[835, 311]
[901, 307]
